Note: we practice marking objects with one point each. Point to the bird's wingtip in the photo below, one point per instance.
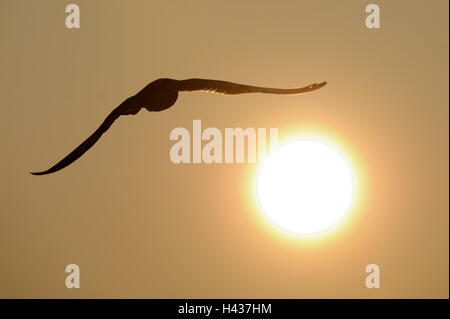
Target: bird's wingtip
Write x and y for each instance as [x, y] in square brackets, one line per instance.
[37, 173]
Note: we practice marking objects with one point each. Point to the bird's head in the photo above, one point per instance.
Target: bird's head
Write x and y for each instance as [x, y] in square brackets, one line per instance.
[164, 84]
[159, 94]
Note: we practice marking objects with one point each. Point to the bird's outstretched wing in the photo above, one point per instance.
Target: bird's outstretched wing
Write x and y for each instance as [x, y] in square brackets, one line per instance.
[122, 109]
[231, 88]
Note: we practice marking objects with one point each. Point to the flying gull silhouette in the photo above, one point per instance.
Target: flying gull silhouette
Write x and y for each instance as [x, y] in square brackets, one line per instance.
[162, 94]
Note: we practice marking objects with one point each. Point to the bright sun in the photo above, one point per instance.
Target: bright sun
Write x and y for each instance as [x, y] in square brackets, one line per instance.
[305, 187]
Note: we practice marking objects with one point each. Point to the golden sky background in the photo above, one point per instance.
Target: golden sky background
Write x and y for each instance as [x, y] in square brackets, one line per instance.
[140, 226]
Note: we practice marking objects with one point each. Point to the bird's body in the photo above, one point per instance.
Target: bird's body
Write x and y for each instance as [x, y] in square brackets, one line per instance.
[161, 94]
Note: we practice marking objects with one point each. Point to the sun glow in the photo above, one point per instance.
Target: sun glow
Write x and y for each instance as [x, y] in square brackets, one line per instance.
[305, 187]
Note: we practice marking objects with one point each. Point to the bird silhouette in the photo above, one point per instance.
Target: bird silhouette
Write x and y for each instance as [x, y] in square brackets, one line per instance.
[161, 94]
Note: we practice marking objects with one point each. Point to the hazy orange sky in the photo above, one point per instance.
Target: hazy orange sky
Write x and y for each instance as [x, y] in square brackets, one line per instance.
[140, 226]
